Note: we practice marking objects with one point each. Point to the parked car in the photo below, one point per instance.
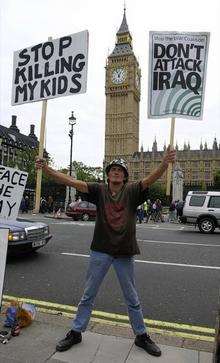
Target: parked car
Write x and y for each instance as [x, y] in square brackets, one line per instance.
[25, 236]
[203, 209]
[81, 210]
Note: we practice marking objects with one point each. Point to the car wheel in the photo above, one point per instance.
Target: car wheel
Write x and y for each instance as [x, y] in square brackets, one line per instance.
[206, 225]
[85, 217]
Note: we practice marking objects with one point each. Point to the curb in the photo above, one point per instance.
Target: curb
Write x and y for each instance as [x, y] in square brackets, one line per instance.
[184, 331]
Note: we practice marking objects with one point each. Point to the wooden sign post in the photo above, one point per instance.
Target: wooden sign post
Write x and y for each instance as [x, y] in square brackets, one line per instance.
[40, 154]
[169, 170]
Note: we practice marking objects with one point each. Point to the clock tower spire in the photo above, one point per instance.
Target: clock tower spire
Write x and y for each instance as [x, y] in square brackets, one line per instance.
[122, 90]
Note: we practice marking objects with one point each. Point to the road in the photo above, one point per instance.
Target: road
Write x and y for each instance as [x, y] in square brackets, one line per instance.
[177, 272]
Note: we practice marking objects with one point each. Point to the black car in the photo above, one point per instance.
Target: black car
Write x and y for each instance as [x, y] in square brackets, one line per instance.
[25, 236]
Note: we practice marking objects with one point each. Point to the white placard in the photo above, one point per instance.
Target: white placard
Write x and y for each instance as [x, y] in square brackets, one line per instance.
[177, 74]
[51, 69]
[12, 185]
[3, 254]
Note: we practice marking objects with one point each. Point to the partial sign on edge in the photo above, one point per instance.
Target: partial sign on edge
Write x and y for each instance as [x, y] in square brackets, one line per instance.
[51, 69]
[177, 74]
[3, 255]
[12, 185]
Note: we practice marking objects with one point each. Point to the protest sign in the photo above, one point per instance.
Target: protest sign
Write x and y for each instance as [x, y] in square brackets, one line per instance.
[177, 74]
[12, 184]
[51, 69]
[3, 254]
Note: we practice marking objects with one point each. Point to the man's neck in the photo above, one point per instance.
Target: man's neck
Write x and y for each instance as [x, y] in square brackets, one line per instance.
[115, 188]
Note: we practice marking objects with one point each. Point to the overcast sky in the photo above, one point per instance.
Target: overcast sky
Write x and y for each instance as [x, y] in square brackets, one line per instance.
[25, 23]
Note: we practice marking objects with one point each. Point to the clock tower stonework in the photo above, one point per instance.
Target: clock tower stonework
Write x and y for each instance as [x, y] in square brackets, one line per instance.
[122, 90]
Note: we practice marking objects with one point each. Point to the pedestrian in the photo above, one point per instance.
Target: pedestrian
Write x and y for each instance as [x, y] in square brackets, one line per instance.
[172, 212]
[22, 205]
[179, 210]
[140, 213]
[27, 203]
[114, 243]
[145, 208]
[50, 204]
[159, 209]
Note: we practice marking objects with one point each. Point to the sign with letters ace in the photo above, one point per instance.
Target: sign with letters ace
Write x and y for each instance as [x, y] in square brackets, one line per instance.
[12, 185]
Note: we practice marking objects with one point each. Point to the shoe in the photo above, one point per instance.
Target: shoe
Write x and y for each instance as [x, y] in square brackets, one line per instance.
[71, 338]
[144, 341]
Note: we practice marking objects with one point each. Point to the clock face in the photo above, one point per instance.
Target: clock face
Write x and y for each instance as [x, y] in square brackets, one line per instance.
[119, 75]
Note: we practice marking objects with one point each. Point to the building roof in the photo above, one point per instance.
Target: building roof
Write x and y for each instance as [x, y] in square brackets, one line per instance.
[11, 136]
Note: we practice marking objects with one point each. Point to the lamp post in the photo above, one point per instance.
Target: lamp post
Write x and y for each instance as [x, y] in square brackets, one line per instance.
[72, 122]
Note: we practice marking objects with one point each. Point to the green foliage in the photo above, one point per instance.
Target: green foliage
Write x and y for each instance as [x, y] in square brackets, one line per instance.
[87, 173]
[217, 180]
[158, 191]
[203, 185]
[25, 160]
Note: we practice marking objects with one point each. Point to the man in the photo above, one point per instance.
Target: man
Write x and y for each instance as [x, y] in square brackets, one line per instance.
[114, 243]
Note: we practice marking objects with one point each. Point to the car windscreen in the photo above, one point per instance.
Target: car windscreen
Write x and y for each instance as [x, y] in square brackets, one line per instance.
[197, 200]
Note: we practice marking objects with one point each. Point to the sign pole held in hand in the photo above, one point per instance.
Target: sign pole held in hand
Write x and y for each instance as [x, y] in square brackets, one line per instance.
[41, 154]
[169, 170]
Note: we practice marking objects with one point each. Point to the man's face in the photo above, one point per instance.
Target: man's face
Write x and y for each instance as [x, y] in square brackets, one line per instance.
[116, 175]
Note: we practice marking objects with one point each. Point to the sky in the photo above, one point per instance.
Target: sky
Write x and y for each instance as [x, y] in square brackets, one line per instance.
[25, 23]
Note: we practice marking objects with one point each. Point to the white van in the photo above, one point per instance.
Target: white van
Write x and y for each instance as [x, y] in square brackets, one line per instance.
[203, 209]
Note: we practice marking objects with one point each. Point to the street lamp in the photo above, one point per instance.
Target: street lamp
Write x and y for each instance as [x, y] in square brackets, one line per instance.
[72, 122]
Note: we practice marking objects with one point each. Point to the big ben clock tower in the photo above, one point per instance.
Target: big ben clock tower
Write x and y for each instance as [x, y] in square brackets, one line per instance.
[122, 89]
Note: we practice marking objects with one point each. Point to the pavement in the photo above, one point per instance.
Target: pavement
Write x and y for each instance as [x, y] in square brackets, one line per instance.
[102, 343]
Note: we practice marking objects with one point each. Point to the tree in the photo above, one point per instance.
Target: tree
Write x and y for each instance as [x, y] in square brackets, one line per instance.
[217, 180]
[87, 173]
[158, 191]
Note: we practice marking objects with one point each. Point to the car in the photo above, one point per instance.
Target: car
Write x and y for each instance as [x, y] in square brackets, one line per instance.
[81, 210]
[203, 209]
[25, 236]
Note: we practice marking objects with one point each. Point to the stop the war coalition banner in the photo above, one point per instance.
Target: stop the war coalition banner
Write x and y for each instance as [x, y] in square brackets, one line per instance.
[51, 69]
[12, 184]
[177, 74]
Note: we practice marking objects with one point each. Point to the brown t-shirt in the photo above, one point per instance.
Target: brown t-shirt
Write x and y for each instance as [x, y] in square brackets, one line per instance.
[115, 227]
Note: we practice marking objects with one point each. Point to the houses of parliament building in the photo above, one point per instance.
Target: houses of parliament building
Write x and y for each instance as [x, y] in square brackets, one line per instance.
[122, 90]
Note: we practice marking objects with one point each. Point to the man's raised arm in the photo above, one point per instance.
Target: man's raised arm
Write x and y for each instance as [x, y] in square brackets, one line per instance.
[61, 178]
[169, 157]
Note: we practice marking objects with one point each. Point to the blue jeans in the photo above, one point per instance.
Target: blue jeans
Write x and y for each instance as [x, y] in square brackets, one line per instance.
[98, 267]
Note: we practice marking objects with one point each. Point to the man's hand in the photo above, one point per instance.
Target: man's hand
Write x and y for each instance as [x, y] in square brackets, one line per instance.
[40, 163]
[169, 156]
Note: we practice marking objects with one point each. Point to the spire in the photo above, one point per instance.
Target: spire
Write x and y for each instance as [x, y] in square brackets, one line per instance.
[177, 147]
[205, 146]
[124, 25]
[154, 147]
[201, 145]
[124, 39]
[188, 146]
[164, 146]
[184, 146]
[215, 145]
[142, 148]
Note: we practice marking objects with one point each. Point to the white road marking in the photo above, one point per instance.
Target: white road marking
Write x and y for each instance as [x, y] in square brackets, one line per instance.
[178, 243]
[153, 262]
[72, 223]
